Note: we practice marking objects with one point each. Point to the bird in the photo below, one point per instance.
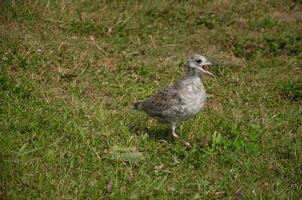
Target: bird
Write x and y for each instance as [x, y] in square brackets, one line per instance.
[181, 100]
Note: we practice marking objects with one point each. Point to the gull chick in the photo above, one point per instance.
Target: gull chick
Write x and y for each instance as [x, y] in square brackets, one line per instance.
[183, 99]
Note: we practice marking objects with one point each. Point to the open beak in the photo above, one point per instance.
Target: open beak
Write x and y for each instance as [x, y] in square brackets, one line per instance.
[204, 68]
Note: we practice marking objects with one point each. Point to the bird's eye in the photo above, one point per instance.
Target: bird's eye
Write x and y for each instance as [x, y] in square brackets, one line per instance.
[198, 61]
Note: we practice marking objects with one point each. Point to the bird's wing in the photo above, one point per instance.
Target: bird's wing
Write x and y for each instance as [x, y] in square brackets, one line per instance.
[162, 101]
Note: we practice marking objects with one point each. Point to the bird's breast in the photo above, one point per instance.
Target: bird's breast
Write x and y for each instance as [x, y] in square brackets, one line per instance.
[194, 98]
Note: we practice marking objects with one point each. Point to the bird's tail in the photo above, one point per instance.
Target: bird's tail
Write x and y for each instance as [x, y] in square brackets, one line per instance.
[137, 106]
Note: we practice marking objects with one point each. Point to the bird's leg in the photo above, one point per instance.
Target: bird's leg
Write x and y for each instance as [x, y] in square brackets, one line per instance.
[173, 127]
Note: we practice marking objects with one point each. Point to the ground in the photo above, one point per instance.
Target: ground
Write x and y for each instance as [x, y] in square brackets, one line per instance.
[71, 71]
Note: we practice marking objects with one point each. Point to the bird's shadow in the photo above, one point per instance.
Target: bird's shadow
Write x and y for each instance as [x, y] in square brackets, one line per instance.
[155, 132]
[161, 132]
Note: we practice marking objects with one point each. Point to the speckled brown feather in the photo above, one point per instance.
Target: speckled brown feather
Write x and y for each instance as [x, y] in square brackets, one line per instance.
[161, 101]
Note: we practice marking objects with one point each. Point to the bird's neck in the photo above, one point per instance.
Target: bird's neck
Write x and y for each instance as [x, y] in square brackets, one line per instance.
[194, 80]
[193, 74]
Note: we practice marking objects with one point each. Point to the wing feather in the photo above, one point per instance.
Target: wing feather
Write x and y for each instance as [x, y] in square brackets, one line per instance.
[161, 101]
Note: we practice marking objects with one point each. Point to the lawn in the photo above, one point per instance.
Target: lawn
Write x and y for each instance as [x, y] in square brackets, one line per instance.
[70, 72]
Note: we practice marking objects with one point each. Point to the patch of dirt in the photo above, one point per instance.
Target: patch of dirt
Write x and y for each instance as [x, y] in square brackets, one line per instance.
[295, 16]
[224, 57]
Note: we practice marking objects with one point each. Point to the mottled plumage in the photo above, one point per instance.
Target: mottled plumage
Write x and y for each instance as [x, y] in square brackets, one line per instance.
[182, 100]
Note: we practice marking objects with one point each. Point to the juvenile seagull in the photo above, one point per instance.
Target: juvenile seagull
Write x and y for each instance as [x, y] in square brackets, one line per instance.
[183, 99]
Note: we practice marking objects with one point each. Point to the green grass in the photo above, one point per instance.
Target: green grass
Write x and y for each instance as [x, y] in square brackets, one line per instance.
[71, 70]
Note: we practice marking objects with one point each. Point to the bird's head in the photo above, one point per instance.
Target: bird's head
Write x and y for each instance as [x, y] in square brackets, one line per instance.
[198, 65]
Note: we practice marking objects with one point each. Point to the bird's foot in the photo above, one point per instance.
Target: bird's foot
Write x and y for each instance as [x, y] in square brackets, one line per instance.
[185, 143]
[175, 135]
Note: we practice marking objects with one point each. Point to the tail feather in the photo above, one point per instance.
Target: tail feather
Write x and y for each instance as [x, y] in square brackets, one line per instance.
[137, 106]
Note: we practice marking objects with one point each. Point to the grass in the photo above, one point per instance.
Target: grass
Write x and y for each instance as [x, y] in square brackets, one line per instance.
[71, 70]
